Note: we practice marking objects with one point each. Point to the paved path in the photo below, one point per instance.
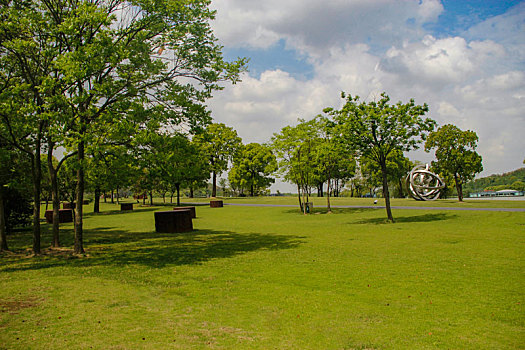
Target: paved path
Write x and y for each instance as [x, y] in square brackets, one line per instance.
[381, 207]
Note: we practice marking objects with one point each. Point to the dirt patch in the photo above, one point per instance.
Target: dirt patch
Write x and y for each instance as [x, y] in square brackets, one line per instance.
[14, 306]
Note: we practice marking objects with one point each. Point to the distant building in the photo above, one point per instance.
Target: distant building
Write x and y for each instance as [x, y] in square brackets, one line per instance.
[502, 193]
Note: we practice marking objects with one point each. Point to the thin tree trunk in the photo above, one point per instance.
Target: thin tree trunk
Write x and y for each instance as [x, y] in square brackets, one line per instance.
[214, 185]
[386, 193]
[79, 229]
[191, 192]
[144, 198]
[53, 176]
[104, 193]
[118, 198]
[328, 196]
[459, 187]
[112, 194]
[178, 193]
[36, 169]
[151, 197]
[96, 205]
[401, 192]
[299, 197]
[3, 233]
[171, 197]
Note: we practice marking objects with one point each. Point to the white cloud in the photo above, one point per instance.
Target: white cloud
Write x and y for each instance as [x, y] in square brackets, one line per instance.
[312, 25]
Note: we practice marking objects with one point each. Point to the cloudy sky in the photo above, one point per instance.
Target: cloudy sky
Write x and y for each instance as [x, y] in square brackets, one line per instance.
[465, 58]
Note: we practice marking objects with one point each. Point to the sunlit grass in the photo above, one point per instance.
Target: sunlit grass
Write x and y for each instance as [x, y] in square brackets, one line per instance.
[262, 277]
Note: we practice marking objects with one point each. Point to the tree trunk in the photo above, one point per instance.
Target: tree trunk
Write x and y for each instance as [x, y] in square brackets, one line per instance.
[214, 185]
[299, 197]
[36, 169]
[401, 192]
[191, 192]
[459, 187]
[151, 197]
[320, 190]
[118, 199]
[328, 196]
[96, 205]
[178, 193]
[171, 197]
[53, 176]
[386, 193]
[104, 193]
[3, 233]
[112, 200]
[79, 229]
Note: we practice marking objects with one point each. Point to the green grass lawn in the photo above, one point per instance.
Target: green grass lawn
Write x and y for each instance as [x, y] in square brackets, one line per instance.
[271, 278]
[335, 201]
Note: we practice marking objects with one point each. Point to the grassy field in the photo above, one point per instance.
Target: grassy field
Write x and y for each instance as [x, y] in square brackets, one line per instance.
[346, 201]
[271, 278]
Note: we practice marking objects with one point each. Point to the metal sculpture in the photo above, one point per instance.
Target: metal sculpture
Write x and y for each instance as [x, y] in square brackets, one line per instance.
[424, 185]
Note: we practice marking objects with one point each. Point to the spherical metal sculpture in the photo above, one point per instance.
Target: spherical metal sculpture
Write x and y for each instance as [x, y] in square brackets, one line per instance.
[424, 185]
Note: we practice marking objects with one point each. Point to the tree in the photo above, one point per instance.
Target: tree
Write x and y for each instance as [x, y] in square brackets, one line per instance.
[398, 166]
[99, 66]
[295, 151]
[455, 154]
[333, 158]
[376, 129]
[254, 165]
[15, 191]
[220, 143]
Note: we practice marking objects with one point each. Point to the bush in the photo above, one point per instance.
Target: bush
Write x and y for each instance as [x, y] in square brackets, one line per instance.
[18, 209]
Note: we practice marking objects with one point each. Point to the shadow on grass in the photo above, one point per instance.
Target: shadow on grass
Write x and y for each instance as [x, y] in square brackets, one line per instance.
[409, 219]
[118, 211]
[322, 211]
[108, 247]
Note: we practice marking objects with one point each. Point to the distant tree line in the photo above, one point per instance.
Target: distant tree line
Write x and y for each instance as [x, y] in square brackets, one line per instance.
[514, 180]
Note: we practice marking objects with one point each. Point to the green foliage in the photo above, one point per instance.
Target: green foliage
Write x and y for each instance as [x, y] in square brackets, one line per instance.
[18, 208]
[455, 154]
[252, 168]
[79, 72]
[398, 166]
[506, 180]
[219, 143]
[377, 129]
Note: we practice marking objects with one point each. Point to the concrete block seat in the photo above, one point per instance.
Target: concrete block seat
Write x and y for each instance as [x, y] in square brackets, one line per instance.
[191, 209]
[64, 215]
[173, 221]
[216, 203]
[126, 206]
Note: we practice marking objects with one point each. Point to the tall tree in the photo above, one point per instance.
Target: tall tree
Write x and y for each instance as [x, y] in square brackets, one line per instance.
[333, 158]
[254, 164]
[456, 154]
[295, 151]
[220, 143]
[376, 129]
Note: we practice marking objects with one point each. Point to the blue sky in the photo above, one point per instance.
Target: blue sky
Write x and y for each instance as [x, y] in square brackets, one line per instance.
[466, 59]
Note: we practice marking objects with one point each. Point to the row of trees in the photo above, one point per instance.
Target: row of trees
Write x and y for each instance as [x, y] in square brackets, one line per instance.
[371, 137]
[85, 75]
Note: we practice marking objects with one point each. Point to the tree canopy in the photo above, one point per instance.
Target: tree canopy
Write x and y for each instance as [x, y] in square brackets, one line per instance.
[455, 154]
[378, 128]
